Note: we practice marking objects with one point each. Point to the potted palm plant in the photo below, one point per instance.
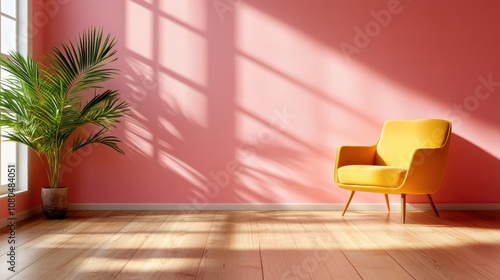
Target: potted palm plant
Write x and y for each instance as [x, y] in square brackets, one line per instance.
[59, 106]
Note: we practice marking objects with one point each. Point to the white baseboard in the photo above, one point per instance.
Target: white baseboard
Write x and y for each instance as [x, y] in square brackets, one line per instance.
[280, 206]
[21, 216]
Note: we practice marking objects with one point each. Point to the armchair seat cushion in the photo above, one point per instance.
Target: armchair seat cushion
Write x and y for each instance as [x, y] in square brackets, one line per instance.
[372, 175]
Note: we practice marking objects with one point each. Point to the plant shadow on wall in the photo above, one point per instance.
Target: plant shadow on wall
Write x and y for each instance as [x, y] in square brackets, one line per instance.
[205, 91]
[191, 140]
[173, 149]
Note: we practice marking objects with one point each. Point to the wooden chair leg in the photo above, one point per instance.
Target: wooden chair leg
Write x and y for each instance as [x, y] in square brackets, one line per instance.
[387, 202]
[432, 205]
[348, 202]
[403, 207]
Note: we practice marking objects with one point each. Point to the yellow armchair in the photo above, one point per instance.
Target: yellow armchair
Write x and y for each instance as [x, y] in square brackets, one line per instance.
[409, 158]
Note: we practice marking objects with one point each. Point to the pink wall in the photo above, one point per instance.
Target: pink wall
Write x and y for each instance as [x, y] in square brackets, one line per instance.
[247, 101]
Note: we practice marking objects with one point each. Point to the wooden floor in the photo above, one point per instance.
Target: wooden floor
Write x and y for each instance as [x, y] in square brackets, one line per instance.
[256, 245]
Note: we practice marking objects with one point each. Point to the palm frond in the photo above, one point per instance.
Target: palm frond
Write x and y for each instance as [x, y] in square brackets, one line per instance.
[43, 105]
[80, 64]
[97, 138]
[20, 138]
[105, 109]
[25, 71]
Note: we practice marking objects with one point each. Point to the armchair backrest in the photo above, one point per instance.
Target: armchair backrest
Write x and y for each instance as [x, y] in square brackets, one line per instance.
[400, 139]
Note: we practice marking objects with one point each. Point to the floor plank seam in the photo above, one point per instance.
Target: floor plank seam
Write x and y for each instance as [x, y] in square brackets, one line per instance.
[206, 244]
[261, 262]
[365, 246]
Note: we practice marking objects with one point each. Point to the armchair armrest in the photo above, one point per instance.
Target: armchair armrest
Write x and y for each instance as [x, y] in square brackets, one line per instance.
[354, 155]
[426, 171]
[359, 155]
